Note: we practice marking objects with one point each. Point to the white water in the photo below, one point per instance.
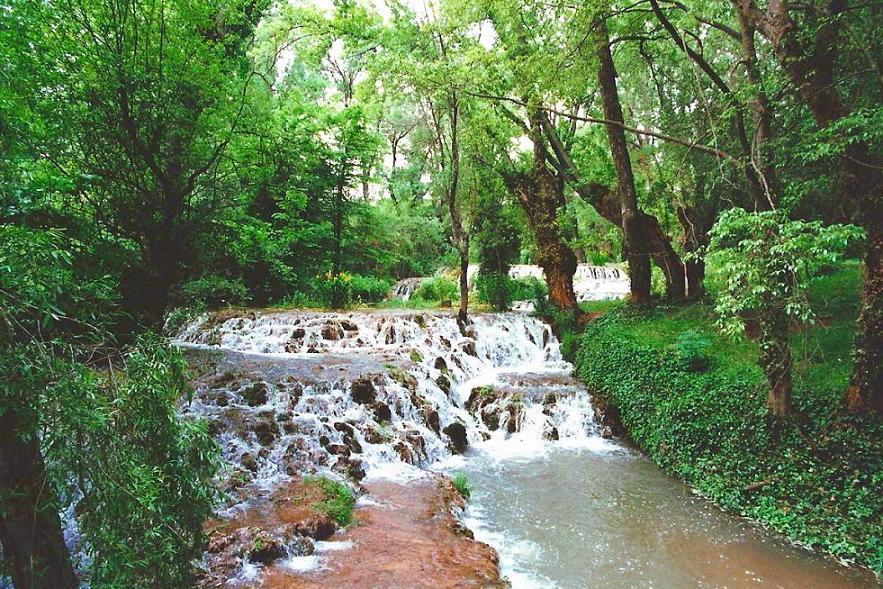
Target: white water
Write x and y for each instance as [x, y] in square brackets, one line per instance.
[558, 511]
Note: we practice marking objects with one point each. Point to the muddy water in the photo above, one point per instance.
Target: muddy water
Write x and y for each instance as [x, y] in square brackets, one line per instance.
[607, 517]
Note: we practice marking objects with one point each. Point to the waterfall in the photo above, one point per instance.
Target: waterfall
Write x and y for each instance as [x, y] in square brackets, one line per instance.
[381, 394]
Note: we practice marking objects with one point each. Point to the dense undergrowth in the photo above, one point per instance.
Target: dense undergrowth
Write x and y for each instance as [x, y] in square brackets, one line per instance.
[695, 402]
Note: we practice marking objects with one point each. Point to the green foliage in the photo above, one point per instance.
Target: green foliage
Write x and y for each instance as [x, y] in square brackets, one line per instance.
[369, 289]
[462, 485]
[769, 260]
[437, 289]
[529, 288]
[212, 292]
[691, 347]
[497, 290]
[813, 478]
[340, 500]
[150, 476]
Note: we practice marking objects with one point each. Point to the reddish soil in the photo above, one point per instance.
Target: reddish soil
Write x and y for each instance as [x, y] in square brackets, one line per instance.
[411, 540]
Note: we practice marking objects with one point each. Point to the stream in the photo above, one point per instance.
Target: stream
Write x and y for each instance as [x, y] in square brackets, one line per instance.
[393, 395]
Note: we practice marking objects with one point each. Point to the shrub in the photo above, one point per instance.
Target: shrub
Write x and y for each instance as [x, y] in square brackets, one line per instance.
[368, 289]
[495, 290]
[437, 288]
[462, 485]
[528, 288]
[212, 291]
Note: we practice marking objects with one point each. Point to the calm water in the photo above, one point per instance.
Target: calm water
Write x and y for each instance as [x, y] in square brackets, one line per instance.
[602, 516]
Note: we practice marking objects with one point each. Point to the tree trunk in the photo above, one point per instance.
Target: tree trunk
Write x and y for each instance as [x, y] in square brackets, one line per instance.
[632, 225]
[694, 238]
[775, 360]
[464, 283]
[808, 57]
[30, 529]
[865, 392]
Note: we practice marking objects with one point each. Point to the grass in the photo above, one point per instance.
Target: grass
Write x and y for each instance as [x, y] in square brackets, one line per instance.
[815, 478]
[339, 500]
[462, 485]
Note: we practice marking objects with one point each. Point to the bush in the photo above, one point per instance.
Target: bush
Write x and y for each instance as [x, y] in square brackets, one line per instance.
[495, 290]
[368, 289]
[212, 291]
[528, 288]
[438, 289]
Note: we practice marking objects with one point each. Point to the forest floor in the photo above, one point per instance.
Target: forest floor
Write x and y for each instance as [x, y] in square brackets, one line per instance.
[695, 402]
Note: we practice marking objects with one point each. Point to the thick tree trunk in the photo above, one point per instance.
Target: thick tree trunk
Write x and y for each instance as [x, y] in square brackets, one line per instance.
[30, 529]
[808, 57]
[632, 225]
[775, 360]
[541, 194]
[865, 392]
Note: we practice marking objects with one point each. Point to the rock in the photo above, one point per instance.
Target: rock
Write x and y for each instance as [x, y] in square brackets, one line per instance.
[348, 325]
[351, 467]
[420, 320]
[266, 548]
[441, 364]
[444, 383]
[468, 347]
[332, 331]
[362, 391]
[298, 333]
[249, 461]
[349, 436]
[430, 417]
[404, 451]
[516, 415]
[317, 526]
[456, 432]
[338, 449]
[551, 433]
[300, 546]
[256, 394]
[266, 431]
[382, 412]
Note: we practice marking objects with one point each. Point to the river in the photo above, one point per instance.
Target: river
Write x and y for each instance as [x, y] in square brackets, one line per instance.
[563, 504]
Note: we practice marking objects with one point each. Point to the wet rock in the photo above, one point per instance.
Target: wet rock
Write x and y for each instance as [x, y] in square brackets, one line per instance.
[298, 333]
[332, 331]
[284, 416]
[516, 416]
[351, 467]
[256, 394]
[382, 412]
[266, 548]
[441, 364]
[444, 383]
[349, 436]
[390, 335]
[317, 526]
[362, 391]
[373, 436]
[266, 431]
[456, 433]
[224, 379]
[348, 325]
[420, 320]
[404, 451]
[249, 461]
[403, 378]
[312, 350]
[338, 449]
[551, 434]
[430, 417]
[468, 347]
[300, 546]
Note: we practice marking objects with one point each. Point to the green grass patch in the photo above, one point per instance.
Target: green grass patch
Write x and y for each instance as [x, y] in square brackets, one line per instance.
[695, 402]
[339, 500]
[462, 485]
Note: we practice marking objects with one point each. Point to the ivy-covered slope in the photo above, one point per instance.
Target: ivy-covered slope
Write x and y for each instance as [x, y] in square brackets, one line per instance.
[695, 402]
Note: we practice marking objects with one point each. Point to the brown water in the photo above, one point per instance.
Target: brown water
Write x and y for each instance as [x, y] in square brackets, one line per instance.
[609, 518]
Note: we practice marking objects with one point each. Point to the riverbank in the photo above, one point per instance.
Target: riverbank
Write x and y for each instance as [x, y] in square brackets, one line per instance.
[694, 401]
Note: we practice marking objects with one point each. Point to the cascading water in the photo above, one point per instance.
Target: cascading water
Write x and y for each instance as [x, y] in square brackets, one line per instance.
[378, 396]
